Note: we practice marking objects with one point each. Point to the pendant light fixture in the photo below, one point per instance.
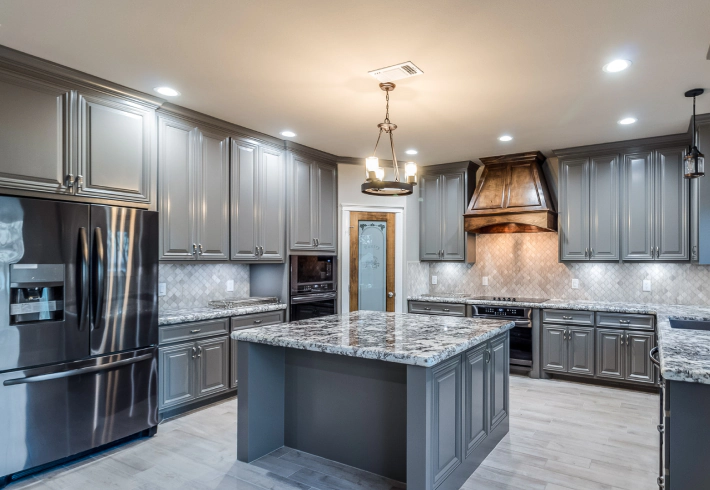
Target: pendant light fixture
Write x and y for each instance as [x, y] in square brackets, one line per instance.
[375, 185]
[694, 160]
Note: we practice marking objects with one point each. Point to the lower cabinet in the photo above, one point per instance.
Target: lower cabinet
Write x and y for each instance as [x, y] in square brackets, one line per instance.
[568, 349]
[193, 370]
[250, 321]
[623, 355]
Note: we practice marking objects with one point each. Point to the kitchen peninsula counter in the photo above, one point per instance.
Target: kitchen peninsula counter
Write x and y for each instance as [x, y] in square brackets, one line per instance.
[416, 399]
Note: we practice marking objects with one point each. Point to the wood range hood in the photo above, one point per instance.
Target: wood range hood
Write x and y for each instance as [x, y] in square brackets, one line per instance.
[511, 197]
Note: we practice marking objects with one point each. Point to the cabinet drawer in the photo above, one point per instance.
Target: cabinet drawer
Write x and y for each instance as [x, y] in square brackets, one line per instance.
[194, 330]
[427, 308]
[257, 319]
[568, 317]
[624, 320]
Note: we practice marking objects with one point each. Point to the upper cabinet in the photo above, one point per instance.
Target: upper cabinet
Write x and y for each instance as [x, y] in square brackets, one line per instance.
[700, 200]
[624, 201]
[74, 137]
[313, 202]
[589, 208]
[194, 191]
[444, 191]
[258, 202]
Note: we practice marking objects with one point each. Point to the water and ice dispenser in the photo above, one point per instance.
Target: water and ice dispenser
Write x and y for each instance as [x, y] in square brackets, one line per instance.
[36, 293]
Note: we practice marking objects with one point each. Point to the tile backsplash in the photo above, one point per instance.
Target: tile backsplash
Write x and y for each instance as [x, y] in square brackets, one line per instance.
[527, 265]
[190, 285]
[417, 278]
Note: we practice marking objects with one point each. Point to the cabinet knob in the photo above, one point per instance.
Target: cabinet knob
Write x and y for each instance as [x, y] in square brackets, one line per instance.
[258, 321]
[390, 294]
[197, 330]
[194, 352]
[79, 182]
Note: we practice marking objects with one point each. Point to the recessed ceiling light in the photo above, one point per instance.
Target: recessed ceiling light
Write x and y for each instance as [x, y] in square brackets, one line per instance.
[616, 65]
[170, 92]
[506, 137]
[411, 152]
[288, 134]
[627, 120]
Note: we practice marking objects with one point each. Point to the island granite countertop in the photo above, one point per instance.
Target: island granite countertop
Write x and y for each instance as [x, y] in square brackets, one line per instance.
[183, 315]
[394, 337]
[684, 354]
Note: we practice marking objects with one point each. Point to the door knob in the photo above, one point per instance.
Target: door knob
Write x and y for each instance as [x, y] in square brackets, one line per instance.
[390, 294]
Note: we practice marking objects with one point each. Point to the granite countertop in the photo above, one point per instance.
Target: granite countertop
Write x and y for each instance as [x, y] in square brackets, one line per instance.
[395, 337]
[171, 316]
[684, 354]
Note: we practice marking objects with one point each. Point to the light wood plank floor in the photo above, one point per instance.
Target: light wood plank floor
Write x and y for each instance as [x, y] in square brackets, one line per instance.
[563, 435]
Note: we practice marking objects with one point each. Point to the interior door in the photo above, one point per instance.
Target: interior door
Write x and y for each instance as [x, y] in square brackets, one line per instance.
[372, 246]
[124, 283]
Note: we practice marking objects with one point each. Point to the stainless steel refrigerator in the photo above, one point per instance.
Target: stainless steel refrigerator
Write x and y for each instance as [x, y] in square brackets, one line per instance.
[78, 329]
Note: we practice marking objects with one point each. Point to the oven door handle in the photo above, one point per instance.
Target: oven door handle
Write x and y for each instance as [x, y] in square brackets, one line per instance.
[312, 298]
[523, 324]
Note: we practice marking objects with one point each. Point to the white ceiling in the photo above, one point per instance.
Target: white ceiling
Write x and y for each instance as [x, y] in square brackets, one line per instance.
[528, 68]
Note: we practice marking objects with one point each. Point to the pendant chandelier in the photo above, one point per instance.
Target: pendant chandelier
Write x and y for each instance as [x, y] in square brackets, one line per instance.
[375, 184]
[694, 160]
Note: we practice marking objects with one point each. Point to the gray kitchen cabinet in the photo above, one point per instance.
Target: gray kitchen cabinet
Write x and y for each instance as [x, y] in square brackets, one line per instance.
[499, 361]
[258, 202]
[589, 212]
[700, 201]
[213, 365]
[250, 321]
[444, 191]
[568, 349]
[446, 422]
[638, 363]
[655, 206]
[610, 353]
[313, 202]
[672, 201]
[194, 191]
[476, 379]
[114, 148]
[177, 375]
[36, 118]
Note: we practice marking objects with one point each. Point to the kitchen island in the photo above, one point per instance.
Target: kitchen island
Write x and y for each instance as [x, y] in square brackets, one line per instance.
[417, 399]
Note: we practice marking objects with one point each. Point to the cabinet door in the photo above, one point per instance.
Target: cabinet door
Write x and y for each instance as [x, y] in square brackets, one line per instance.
[604, 208]
[554, 348]
[475, 393]
[574, 209]
[271, 205]
[245, 169]
[637, 207]
[36, 122]
[446, 419]
[580, 350]
[213, 365]
[694, 219]
[233, 357]
[453, 206]
[177, 374]
[114, 149]
[499, 368]
[638, 362]
[302, 208]
[212, 203]
[671, 198]
[177, 187]
[430, 227]
[327, 208]
[610, 354]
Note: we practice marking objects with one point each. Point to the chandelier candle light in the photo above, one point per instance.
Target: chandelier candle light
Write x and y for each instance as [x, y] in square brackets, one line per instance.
[694, 160]
[375, 184]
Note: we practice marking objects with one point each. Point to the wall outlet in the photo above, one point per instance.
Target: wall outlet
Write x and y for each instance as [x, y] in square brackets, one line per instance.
[484, 281]
[434, 279]
[647, 285]
[230, 285]
[575, 283]
[162, 289]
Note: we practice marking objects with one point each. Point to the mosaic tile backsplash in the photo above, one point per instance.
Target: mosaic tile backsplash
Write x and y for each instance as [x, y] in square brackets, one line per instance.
[526, 265]
[190, 285]
[417, 278]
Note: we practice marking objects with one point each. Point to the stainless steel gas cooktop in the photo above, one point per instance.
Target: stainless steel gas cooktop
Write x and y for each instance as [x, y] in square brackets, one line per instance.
[512, 299]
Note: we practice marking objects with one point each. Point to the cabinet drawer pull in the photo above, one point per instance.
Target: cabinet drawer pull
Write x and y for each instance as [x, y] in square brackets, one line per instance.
[660, 428]
[625, 322]
[565, 317]
[447, 309]
[258, 321]
[199, 245]
[194, 352]
[196, 330]
[199, 351]
[427, 308]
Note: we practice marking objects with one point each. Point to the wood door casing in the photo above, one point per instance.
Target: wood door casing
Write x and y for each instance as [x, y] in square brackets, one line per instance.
[355, 218]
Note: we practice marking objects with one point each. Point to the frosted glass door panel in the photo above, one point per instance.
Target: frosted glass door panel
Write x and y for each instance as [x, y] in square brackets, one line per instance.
[372, 265]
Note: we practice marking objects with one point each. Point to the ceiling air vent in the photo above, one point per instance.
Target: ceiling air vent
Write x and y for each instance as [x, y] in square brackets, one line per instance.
[396, 72]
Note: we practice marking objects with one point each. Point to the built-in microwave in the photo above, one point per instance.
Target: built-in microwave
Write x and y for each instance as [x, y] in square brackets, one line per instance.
[313, 274]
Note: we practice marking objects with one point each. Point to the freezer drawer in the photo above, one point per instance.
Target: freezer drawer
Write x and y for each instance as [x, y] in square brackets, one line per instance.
[53, 412]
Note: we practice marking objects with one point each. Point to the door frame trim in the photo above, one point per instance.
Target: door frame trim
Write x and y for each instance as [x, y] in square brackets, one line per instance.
[344, 253]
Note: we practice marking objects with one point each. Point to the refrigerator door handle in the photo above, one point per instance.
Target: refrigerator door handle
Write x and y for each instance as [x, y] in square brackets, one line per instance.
[100, 273]
[77, 372]
[84, 265]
